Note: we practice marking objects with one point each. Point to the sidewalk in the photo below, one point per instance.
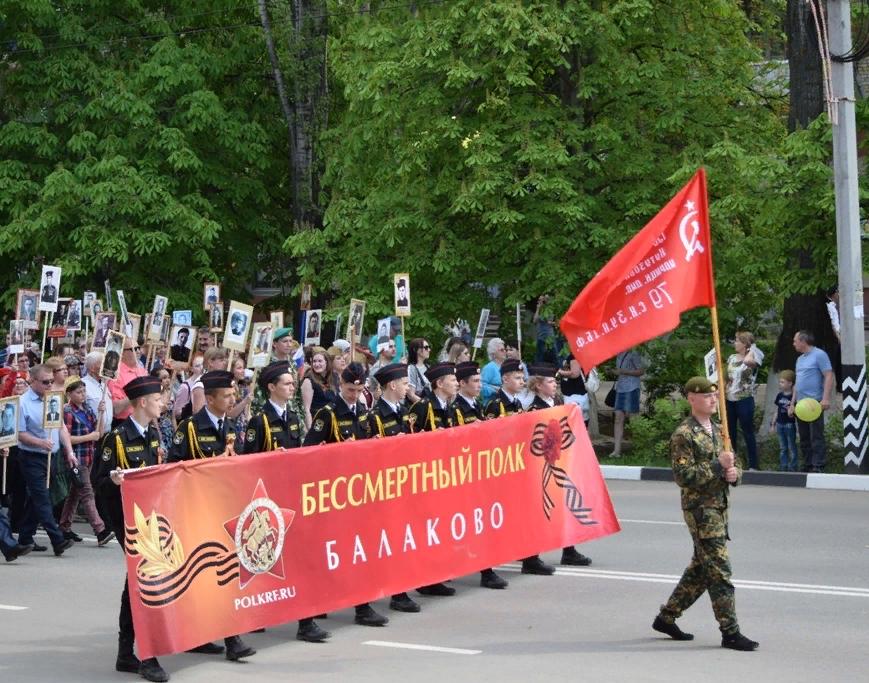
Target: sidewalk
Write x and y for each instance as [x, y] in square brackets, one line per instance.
[840, 482]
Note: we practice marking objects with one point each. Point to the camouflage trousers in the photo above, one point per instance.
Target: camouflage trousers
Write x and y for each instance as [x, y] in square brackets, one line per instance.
[709, 571]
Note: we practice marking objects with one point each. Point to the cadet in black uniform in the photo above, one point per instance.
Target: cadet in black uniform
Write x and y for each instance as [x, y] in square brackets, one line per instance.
[204, 435]
[436, 412]
[134, 443]
[278, 427]
[467, 410]
[347, 419]
[506, 402]
[390, 418]
[544, 385]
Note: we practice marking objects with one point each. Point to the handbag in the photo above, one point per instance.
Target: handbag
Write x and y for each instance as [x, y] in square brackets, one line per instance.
[610, 400]
[592, 381]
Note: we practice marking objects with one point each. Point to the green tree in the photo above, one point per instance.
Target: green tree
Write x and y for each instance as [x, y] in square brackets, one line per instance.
[514, 146]
[139, 144]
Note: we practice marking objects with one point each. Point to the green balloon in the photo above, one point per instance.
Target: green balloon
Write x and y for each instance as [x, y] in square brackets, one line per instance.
[808, 409]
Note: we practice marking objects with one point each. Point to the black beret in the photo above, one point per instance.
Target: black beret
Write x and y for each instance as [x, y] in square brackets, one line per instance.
[543, 369]
[354, 373]
[467, 369]
[270, 373]
[142, 386]
[217, 379]
[510, 365]
[440, 370]
[390, 372]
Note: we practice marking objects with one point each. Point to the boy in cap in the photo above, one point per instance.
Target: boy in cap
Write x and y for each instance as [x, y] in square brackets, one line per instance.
[436, 411]
[506, 401]
[134, 443]
[347, 419]
[205, 434]
[275, 428]
[544, 387]
[390, 419]
[704, 472]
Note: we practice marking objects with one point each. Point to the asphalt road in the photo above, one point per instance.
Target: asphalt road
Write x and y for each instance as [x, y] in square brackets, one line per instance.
[800, 560]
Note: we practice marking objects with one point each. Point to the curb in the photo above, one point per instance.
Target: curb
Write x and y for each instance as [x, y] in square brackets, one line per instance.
[835, 482]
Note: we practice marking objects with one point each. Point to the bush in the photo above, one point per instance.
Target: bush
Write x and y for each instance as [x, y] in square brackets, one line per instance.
[650, 434]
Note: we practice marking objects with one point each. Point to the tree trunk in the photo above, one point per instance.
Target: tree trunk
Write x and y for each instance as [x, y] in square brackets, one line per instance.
[803, 311]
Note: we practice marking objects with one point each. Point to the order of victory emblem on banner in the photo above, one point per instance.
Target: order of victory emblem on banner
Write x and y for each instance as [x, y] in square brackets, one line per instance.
[164, 572]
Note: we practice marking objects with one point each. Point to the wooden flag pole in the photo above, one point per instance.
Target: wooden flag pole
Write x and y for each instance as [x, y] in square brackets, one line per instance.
[87, 321]
[229, 362]
[722, 380]
[48, 465]
[48, 320]
[5, 458]
[474, 354]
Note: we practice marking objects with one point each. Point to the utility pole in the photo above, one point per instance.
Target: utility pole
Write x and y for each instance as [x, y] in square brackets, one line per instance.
[856, 422]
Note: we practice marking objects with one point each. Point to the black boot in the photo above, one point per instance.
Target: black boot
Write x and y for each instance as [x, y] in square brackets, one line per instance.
[151, 670]
[489, 579]
[737, 641]
[534, 565]
[436, 589]
[237, 649]
[670, 628]
[310, 632]
[366, 616]
[571, 557]
[127, 662]
[207, 649]
[402, 602]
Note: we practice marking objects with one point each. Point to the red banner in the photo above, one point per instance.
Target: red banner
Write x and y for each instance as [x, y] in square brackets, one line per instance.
[640, 294]
[224, 546]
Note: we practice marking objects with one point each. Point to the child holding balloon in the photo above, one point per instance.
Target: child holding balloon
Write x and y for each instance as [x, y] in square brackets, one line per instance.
[784, 424]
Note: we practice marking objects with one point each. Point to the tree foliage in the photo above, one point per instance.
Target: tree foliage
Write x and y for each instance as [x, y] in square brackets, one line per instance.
[139, 145]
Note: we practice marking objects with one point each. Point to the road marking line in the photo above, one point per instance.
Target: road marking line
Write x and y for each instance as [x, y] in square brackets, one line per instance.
[13, 608]
[813, 589]
[426, 648]
[651, 521]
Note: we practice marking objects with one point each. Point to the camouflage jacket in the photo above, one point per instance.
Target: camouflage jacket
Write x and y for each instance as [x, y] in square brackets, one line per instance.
[694, 454]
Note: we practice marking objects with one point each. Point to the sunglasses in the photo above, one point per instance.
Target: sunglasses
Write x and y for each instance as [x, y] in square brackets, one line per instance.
[426, 347]
[45, 382]
[131, 348]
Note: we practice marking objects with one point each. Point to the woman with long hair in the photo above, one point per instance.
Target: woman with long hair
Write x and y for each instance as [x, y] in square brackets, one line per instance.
[418, 352]
[317, 384]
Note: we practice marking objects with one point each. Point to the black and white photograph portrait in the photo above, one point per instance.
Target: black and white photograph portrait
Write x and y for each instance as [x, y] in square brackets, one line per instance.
[181, 347]
[238, 324]
[49, 288]
[402, 294]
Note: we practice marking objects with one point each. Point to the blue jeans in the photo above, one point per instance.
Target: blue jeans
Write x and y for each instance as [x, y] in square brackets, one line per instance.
[787, 441]
[7, 540]
[38, 507]
[742, 412]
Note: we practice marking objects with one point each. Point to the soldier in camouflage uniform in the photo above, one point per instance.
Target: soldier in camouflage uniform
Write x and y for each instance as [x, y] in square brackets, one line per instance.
[705, 472]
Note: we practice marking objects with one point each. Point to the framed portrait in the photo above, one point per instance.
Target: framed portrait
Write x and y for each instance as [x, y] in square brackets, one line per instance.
[384, 328]
[58, 319]
[313, 326]
[122, 306]
[182, 317]
[215, 317]
[183, 339]
[73, 316]
[104, 323]
[261, 344]
[481, 328]
[710, 362]
[9, 422]
[112, 356]
[27, 308]
[305, 299]
[164, 330]
[277, 319]
[355, 319]
[238, 323]
[96, 309]
[108, 288]
[210, 295]
[155, 321]
[49, 288]
[87, 301]
[133, 327]
[52, 410]
[401, 281]
[16, 336]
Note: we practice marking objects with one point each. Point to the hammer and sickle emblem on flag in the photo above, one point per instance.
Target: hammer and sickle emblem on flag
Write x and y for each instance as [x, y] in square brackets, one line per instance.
[692, 246]
[547, 442]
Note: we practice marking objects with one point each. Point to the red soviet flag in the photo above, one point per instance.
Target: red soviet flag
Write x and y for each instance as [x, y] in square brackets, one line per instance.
[640, 294]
